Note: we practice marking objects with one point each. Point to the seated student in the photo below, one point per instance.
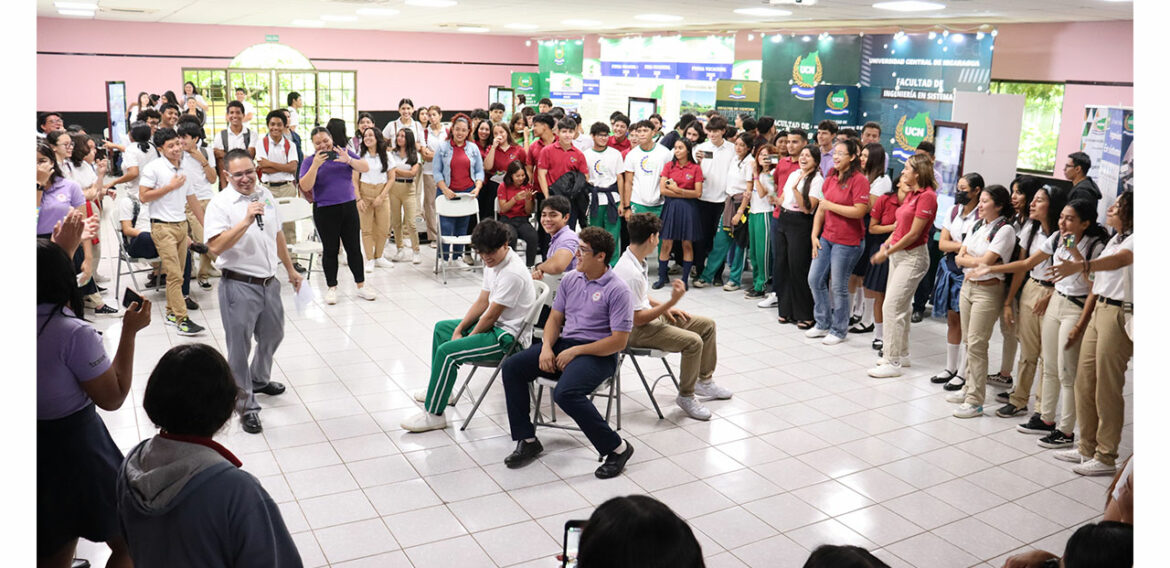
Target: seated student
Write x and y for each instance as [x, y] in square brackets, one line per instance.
[487, 330]
[1094, 545]
[135, 226]
[182, 499]
[637, 531]
[562, 249]
[516, 198]
[842, 556]
[659, 325]
[593, 308]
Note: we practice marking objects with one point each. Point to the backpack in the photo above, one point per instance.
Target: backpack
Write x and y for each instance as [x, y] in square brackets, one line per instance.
[223, 136]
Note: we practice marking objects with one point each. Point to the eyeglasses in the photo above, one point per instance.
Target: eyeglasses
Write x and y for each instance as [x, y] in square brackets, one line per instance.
[242, 175]
[65, 144]
[582, 251]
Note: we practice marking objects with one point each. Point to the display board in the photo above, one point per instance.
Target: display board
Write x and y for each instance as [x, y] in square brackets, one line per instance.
[949, 148]
[993, 134]
[838, 103]
[733, 97]
[529, 85]
[1115, 174]
[561, 56]
[1096, 123]
[640, 108]
[116, 112]
[795, 65]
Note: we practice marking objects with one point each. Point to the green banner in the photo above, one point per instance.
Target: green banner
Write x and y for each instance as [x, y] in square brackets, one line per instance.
[733, 98]
[561, 56]
[530, 85]
[794, 66]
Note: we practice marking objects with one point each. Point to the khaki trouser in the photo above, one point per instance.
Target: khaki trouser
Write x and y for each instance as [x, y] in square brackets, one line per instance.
[907, 267]
[1011, 341]
[375, 220]
[1060, 364]
[979, 308]
[289, 228]
[1105, 353]
[694, 338]
[1028, 332]
[195, 229]
[171, 241]
[427, 195]
[403, 207]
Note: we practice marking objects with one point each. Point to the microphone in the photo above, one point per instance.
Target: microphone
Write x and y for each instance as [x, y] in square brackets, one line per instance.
[259, 218]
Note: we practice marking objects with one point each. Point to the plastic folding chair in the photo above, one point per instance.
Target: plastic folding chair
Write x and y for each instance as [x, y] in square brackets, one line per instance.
[293, 209]
[464, 205]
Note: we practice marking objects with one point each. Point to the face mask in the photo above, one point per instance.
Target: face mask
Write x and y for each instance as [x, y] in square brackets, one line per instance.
[962, 198]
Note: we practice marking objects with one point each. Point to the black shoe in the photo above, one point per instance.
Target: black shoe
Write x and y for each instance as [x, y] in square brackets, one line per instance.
[203, 283]
[273, 388]
[858, 328]
[524, 453]
[916, 317]
[251, 423]
[753, 294]
[297, 267]
[615, 463]
[877, 345]
[999, 380]
[199, 248]
[943, 377]
[80, 563]
[658, 284]
[854, 320]
[718, 281]
[152, 281]
[1036, 425]
[1003, 396]
[186, 327]
[191, 305]
[1009, 410]
[956, 383]
[100, 288]
[1056, 440]
[105, 310]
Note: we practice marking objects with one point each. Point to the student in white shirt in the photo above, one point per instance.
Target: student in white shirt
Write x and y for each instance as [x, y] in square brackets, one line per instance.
[192, 98]
[404, 158]
[373, 202]
[736, 180]
[277, 164]
[169, 193]
[242, 98]
[643, 166]
[236, 135]
[948, 282]
[763, 189]
[990, 241]
[198, 166]
[432, 138]
[295, 102]
[715, 157]
[405, 121]
[660, 325]
[607, 176]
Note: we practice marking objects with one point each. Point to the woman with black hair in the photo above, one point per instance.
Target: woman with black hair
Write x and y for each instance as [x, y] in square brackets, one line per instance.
[182, 498]
[516, 206]
[990, 241]
[458, 170]
[948, 280]
[373, 196]
[405, 160]
[139, 105]
[866, 306]
[192, 98]
[671, 137]
[681, 185]
[168, 97]
[1022, 190]
[138, 153]
[695, 133]
[799, 200]
[77, 460]
[365, 121]
[637, 531]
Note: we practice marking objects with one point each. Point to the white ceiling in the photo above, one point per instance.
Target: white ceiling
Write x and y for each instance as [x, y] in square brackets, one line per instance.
[615, 16]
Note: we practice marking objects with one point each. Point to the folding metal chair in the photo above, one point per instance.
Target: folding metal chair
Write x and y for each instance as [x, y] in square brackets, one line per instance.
[124, 258]
[633, 353]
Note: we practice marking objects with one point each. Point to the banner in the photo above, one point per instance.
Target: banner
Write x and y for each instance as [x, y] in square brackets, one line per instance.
[838, 103]
[733, 98]
[529, 85]
[561, 56]
[1115, 174]
[794, 66]
[680, 72]
[1093, 129]
[565, 90]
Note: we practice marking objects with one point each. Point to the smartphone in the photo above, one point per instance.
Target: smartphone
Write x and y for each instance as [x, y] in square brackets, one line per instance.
[708, 154]
[570, 543]
[129, 297]
[772, 160]
[331, 155]
[1069, 241]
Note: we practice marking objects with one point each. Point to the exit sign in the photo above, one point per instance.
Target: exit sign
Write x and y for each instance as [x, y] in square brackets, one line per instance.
[272, 38]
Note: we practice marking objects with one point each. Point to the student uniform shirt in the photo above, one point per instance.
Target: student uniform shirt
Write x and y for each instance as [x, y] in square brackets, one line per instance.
[761, 204]
[1075, 285]
[559, 161]
[126, 213]
[740, 174]
[135, 157]
[715, 169]
[880, 186]
[685, 176]
[501, 159]
[594, 309]
[565, 239]
[276, 153]
[838, 228]
[376, 175]
[585, 142]
[1115, 284]
[633, 272]
[69, 352]
[510, 285]
[234, 140]
[255, 253]
[171, 207]
[624, 146]
[432, 140]
[197, 177]
[604, 169]
[646, 167]
[784, 168]
[390, 132]
[1039, 272]
[795, 181]
[57, 201]
[84, 175]
[979, 242]
[532, 156]
[507, 192]
[921, 204]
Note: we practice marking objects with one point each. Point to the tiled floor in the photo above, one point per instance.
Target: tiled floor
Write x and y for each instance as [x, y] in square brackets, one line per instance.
[809, 450]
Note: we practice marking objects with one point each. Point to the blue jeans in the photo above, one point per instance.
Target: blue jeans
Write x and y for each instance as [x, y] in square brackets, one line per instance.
[833, 263]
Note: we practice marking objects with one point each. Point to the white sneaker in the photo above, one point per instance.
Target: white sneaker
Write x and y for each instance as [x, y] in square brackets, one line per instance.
[417, 259]
[831, 340]
[814, 333]
[369, 266]
[389, 252]
[1094, 467]
[100, 278]
[769, 301]
[331, 296]
[381, 262]
[956, 397]
[708, 389]
[887, 371]
[434, 244]
[458, 263]
[420, 395]
[967, 411]
[1072, 456]
[402, 256]
[424, 422]
[693, 407]
[342, 260]
[904, 362]
[366, 293]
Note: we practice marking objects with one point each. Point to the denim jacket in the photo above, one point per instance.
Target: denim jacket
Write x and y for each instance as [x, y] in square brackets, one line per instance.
[442, 164]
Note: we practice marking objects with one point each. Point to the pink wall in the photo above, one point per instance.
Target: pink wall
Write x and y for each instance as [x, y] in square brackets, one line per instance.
[460, 85]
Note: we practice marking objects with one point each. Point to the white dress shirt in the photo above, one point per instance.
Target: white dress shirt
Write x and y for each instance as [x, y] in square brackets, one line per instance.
[255, 253]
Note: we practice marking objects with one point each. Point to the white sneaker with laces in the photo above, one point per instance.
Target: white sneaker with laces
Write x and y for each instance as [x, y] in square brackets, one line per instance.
[1093, 467]
[369, 266]
[331, 296]
[366, 293]
[693, 407]
[956, 397]
[389, 252]
[886, 371]
[814, 333]
[381, 262]
[402, 256]
[968, 411]
[769, 301]
[420, 395]
[417, 259]
[708, 389]
[1072, 456]
[100, 278]
[424, 422]
[831, 339]
[458, 263]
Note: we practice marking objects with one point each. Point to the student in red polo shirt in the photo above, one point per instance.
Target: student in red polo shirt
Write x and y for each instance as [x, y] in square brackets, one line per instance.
[560, 159]
[544, 128]
[621, 128]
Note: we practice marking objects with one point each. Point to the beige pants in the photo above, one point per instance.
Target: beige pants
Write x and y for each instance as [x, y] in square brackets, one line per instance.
[907, 267]
[1105, 352]
[403, 208]
[195, 230]
[171, 241]
[289, 228]
[694, 338]
[375, 220]
[1028, 332]
[979, 308]
[1060, 364]
[1011, 341]
[427, 195]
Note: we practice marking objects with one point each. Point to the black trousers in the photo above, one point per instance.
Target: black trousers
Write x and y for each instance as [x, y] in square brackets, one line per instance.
[791, 261]
[926, 286]
[338, 225]
[486, 200]
[524, 230]
[710, 217]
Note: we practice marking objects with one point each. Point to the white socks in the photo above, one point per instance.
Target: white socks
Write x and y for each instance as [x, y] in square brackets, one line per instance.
[857, 299]
[867, 311]
[877, 330]
[962, 368]
[621, 448]
[953, 357]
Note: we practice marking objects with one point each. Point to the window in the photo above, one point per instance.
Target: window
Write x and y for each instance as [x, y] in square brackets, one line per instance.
[212, 84]
[1043, 103]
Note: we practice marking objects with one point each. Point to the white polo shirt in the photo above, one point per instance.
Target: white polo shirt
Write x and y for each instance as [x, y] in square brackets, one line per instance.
[390, 132]
[276, 152]
[509, 284]
[584, 142]
[294, 117]
[796, 181]
[234, 140]
[979, 242]
[432, 140]
[604, 168]
[135, 157]
[715, 169]
[1039, 272]
[196, 176]
[647, 168]
[126, 213]
[633, 273]
[376, 175]
[1077, 284]
[171, 207]
[1115, 284]
[739, 176]
[255, 253]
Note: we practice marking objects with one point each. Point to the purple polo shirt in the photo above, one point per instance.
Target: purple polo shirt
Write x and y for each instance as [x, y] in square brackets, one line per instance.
[69, 352]
[57, 201]
[567, 239]
[594, 309]
[334, 183]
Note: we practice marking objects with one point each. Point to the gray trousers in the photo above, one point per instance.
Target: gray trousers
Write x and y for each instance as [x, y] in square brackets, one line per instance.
[251, 311]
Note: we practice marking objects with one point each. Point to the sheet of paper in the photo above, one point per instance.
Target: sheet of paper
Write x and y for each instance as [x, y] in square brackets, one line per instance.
[304, 298]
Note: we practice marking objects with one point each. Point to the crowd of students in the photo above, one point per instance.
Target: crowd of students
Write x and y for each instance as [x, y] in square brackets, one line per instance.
[831, 242]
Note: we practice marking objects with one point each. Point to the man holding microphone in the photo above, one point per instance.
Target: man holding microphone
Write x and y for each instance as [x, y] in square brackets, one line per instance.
[243, 229]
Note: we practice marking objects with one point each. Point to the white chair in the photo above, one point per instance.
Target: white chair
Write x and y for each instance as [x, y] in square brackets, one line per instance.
[293, 209]
[543, 293]
[124, 259]
[464, 205]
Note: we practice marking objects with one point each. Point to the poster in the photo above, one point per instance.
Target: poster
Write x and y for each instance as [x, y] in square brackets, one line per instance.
[838, 103]
[1115, 171]
[793, 66]
[748, 70]
[664, 68]
[528, 85]
[1095, 124]
[733, 98]
[561, 56]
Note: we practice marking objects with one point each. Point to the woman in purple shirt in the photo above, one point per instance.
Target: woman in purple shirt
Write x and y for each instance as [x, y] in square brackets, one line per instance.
[77, 460]
[327, 181]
